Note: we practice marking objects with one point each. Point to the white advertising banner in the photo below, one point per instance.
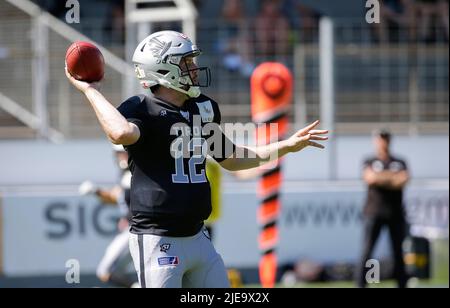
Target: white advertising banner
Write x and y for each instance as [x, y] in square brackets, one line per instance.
[42, 232]
[323, 225]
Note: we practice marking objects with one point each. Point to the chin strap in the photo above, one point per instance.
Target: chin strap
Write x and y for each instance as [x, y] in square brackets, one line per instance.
[192, 92]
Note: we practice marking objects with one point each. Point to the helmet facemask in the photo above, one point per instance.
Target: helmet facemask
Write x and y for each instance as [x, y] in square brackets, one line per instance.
[194, 77]
[190, 79]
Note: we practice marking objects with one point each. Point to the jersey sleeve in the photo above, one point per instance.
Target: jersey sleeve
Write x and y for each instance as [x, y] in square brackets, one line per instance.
[226, 148]
[131, 110]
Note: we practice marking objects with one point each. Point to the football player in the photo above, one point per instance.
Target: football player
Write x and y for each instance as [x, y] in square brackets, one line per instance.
[168, 134]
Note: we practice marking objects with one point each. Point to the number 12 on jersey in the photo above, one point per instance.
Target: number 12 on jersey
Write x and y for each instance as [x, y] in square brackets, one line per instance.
[197, 151]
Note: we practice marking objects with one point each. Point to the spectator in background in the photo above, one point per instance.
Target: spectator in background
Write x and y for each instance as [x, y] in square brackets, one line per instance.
[426, 10]
[272, 30]
[118, 21]
[236, 43]
[54, 7]
[309, 22]
[303, 19]
[385, 176]
[395, 15]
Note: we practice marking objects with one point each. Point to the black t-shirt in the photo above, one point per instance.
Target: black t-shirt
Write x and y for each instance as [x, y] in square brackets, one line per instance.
[381, 201]
[170, 193]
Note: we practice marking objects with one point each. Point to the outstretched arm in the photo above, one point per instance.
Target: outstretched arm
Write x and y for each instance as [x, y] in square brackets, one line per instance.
[251, 157]
[115, 126]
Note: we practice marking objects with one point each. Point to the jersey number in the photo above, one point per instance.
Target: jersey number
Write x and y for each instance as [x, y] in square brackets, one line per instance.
[180, 176]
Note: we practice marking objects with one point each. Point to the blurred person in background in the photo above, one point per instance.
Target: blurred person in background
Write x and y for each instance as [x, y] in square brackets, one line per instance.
[386, 177]
[309, 22]
[113, 266]
[235, 40]
[304, 20]
[396, 16]
[272, 30]
[115, 23]
[431, 15]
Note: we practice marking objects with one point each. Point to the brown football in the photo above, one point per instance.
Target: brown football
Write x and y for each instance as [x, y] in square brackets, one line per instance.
[85, 62]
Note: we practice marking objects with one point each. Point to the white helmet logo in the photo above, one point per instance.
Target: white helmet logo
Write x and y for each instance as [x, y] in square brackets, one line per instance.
[159, 48]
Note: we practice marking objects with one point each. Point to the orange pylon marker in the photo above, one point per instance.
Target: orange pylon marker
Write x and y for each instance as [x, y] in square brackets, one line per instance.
[271, 97]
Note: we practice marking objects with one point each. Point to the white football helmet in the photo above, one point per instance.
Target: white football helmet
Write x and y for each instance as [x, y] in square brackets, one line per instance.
[157, 61]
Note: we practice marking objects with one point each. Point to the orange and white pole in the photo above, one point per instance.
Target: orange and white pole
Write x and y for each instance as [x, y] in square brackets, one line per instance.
[271, 97]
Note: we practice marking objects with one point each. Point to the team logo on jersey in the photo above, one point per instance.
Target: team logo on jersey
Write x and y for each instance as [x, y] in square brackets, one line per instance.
[163, 113]
[164, 247]
[165, 261]
[185, 114]
[377, 166]
[395, 166]
[206, 111]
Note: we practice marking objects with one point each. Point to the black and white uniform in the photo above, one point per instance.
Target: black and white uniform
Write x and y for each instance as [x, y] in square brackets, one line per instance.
[170, 192]
[384, 208]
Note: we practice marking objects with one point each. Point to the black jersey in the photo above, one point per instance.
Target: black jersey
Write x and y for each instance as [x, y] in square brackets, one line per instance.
[170, 193]
[384, 202]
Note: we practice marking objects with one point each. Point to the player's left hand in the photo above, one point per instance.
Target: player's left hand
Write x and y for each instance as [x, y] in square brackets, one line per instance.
[305, 137]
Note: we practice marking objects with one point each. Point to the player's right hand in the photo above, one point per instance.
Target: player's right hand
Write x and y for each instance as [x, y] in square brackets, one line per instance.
[87, 188]
[83, 86]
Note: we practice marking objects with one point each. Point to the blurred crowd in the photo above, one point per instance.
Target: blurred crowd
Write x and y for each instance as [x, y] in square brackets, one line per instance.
[269, 29]
[415, 20]
[280, 24]
[276, 21]
[270, 34]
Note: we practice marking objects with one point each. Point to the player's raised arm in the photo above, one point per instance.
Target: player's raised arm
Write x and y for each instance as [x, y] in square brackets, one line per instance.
[115, 126]
[251, 157]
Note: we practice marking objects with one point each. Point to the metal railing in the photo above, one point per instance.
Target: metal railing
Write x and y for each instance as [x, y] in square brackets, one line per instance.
[34, 49]
[403, 83]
